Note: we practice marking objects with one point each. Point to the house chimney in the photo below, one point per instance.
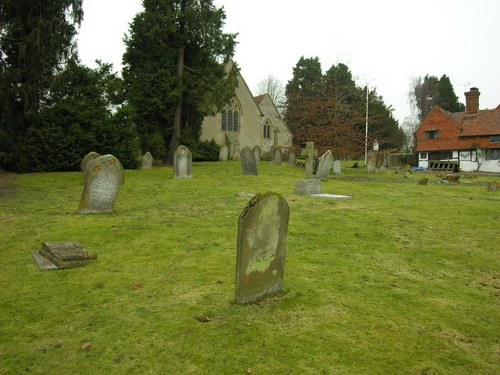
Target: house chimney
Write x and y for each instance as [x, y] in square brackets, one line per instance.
[472, 101]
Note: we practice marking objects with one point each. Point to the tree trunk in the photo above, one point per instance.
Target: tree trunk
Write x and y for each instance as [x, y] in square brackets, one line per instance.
[174, 140]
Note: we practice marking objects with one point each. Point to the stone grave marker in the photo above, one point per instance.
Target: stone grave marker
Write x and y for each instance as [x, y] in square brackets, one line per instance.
[324, 166]
[256, 153]
[183, 163]
[61, 255]
[88, 159]
[262, 235]
[308, 187]
[248, 163]
[309, 152]
[223, 153]
[102, 181]
[147, 161]
[291, 157]
[277, 155]
[336, 167]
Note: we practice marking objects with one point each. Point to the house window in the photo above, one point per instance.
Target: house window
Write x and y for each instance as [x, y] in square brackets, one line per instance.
[495, 138]
[431, 134]
[446, 155]
[423, 156]
[493, 154]
[230, 118]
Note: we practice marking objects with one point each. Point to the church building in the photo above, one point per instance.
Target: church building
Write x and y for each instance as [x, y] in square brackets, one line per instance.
[247, 121]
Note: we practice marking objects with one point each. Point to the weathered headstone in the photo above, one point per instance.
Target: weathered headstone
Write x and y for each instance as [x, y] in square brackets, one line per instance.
[183, 163]
[147, 161]
[309, 152]
[88, 159]
[102, 181]
[223, 153]
[336, 167]
[371, 162]
[324, 166]
[248, 163]
[61, 255]
[256, 153]
[308, 187]
[277, 155]
[291, 157]
[262, 235]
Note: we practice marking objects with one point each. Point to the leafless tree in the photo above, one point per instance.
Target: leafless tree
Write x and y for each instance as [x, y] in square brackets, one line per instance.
[276, 90]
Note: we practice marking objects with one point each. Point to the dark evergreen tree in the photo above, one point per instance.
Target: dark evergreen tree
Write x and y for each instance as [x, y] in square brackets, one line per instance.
[176, 70]
[36, 37]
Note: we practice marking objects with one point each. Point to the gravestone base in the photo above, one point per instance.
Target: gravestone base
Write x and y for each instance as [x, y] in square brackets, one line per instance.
[62, 255]
[331, 196]
[308, 187]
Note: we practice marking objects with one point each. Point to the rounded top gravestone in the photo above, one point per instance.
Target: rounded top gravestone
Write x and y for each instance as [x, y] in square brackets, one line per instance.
[102, 181]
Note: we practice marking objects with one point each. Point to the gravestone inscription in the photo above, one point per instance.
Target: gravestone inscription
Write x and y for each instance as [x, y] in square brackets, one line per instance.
[183, 163]
[262, 235]
[102, 181]
[248, 163]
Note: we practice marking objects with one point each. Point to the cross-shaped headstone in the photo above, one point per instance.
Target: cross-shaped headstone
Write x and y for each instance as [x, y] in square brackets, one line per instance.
[309, 152]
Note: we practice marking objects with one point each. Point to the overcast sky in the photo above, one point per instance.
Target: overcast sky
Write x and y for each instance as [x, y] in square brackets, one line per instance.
[385, 43]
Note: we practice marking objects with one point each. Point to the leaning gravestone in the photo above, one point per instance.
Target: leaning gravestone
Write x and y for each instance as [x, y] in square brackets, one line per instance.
[248, 163]
[183, 163]
[324, 166]
[336, 167]
[223, 153]
[256, 153]
[147, 161]
[262, 235]
[61, 255]
[102, 180]
[88, 159]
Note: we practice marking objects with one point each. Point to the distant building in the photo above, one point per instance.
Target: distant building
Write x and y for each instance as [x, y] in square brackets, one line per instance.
[247, 121]
[471, 139]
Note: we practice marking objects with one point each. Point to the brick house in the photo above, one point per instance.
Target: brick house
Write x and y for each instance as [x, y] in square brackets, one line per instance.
[469, 140]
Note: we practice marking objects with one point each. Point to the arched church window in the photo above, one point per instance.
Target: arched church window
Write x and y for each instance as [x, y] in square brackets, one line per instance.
[230, 117]
[267, 130]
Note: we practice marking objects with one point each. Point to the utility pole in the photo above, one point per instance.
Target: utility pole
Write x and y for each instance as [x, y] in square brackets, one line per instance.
[366, 127]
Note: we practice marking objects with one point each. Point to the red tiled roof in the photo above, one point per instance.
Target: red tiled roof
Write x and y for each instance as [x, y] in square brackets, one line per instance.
[259, 98]
[485, 122]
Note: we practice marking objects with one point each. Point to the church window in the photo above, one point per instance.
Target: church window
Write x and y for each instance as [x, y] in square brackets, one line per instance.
[267, 131]
[230, 118]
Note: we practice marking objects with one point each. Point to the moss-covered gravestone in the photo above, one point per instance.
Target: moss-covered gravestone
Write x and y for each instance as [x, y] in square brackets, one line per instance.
[248, 163]
[102, 181]
[262, 235]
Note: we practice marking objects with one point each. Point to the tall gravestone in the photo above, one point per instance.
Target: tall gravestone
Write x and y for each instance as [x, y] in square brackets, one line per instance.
[147, 161]
[256, 154]
[262, 235]
[277, 155]
[183, 163]
[309, 152]
[248, 163]
[88, 159]
[324, 166]
[223, 153]
[291, 156]
[102, 181]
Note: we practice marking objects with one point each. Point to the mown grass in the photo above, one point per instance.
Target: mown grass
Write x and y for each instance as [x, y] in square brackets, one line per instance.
[401, 279]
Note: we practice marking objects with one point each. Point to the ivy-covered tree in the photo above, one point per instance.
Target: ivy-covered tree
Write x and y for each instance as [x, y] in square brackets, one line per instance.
[36, 37]
[176, 70]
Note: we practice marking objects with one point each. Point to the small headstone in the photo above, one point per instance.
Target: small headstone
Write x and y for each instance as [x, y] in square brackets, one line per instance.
[371, 162]
[256, 153]
[223, 153]
[262, 235]
[248, 163]
[336, 167]
[291, 158]
[308, 187]
[147, 161]
[277, 155]
[324, 166]
[183, 163]
[61, 255]
[102, 181]
[424, 181]
[88, 159]
[309, 152]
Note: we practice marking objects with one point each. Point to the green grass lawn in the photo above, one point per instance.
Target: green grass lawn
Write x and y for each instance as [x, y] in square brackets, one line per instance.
[401, 279]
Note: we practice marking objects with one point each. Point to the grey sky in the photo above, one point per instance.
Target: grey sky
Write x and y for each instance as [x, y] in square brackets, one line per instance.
[385, 43]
